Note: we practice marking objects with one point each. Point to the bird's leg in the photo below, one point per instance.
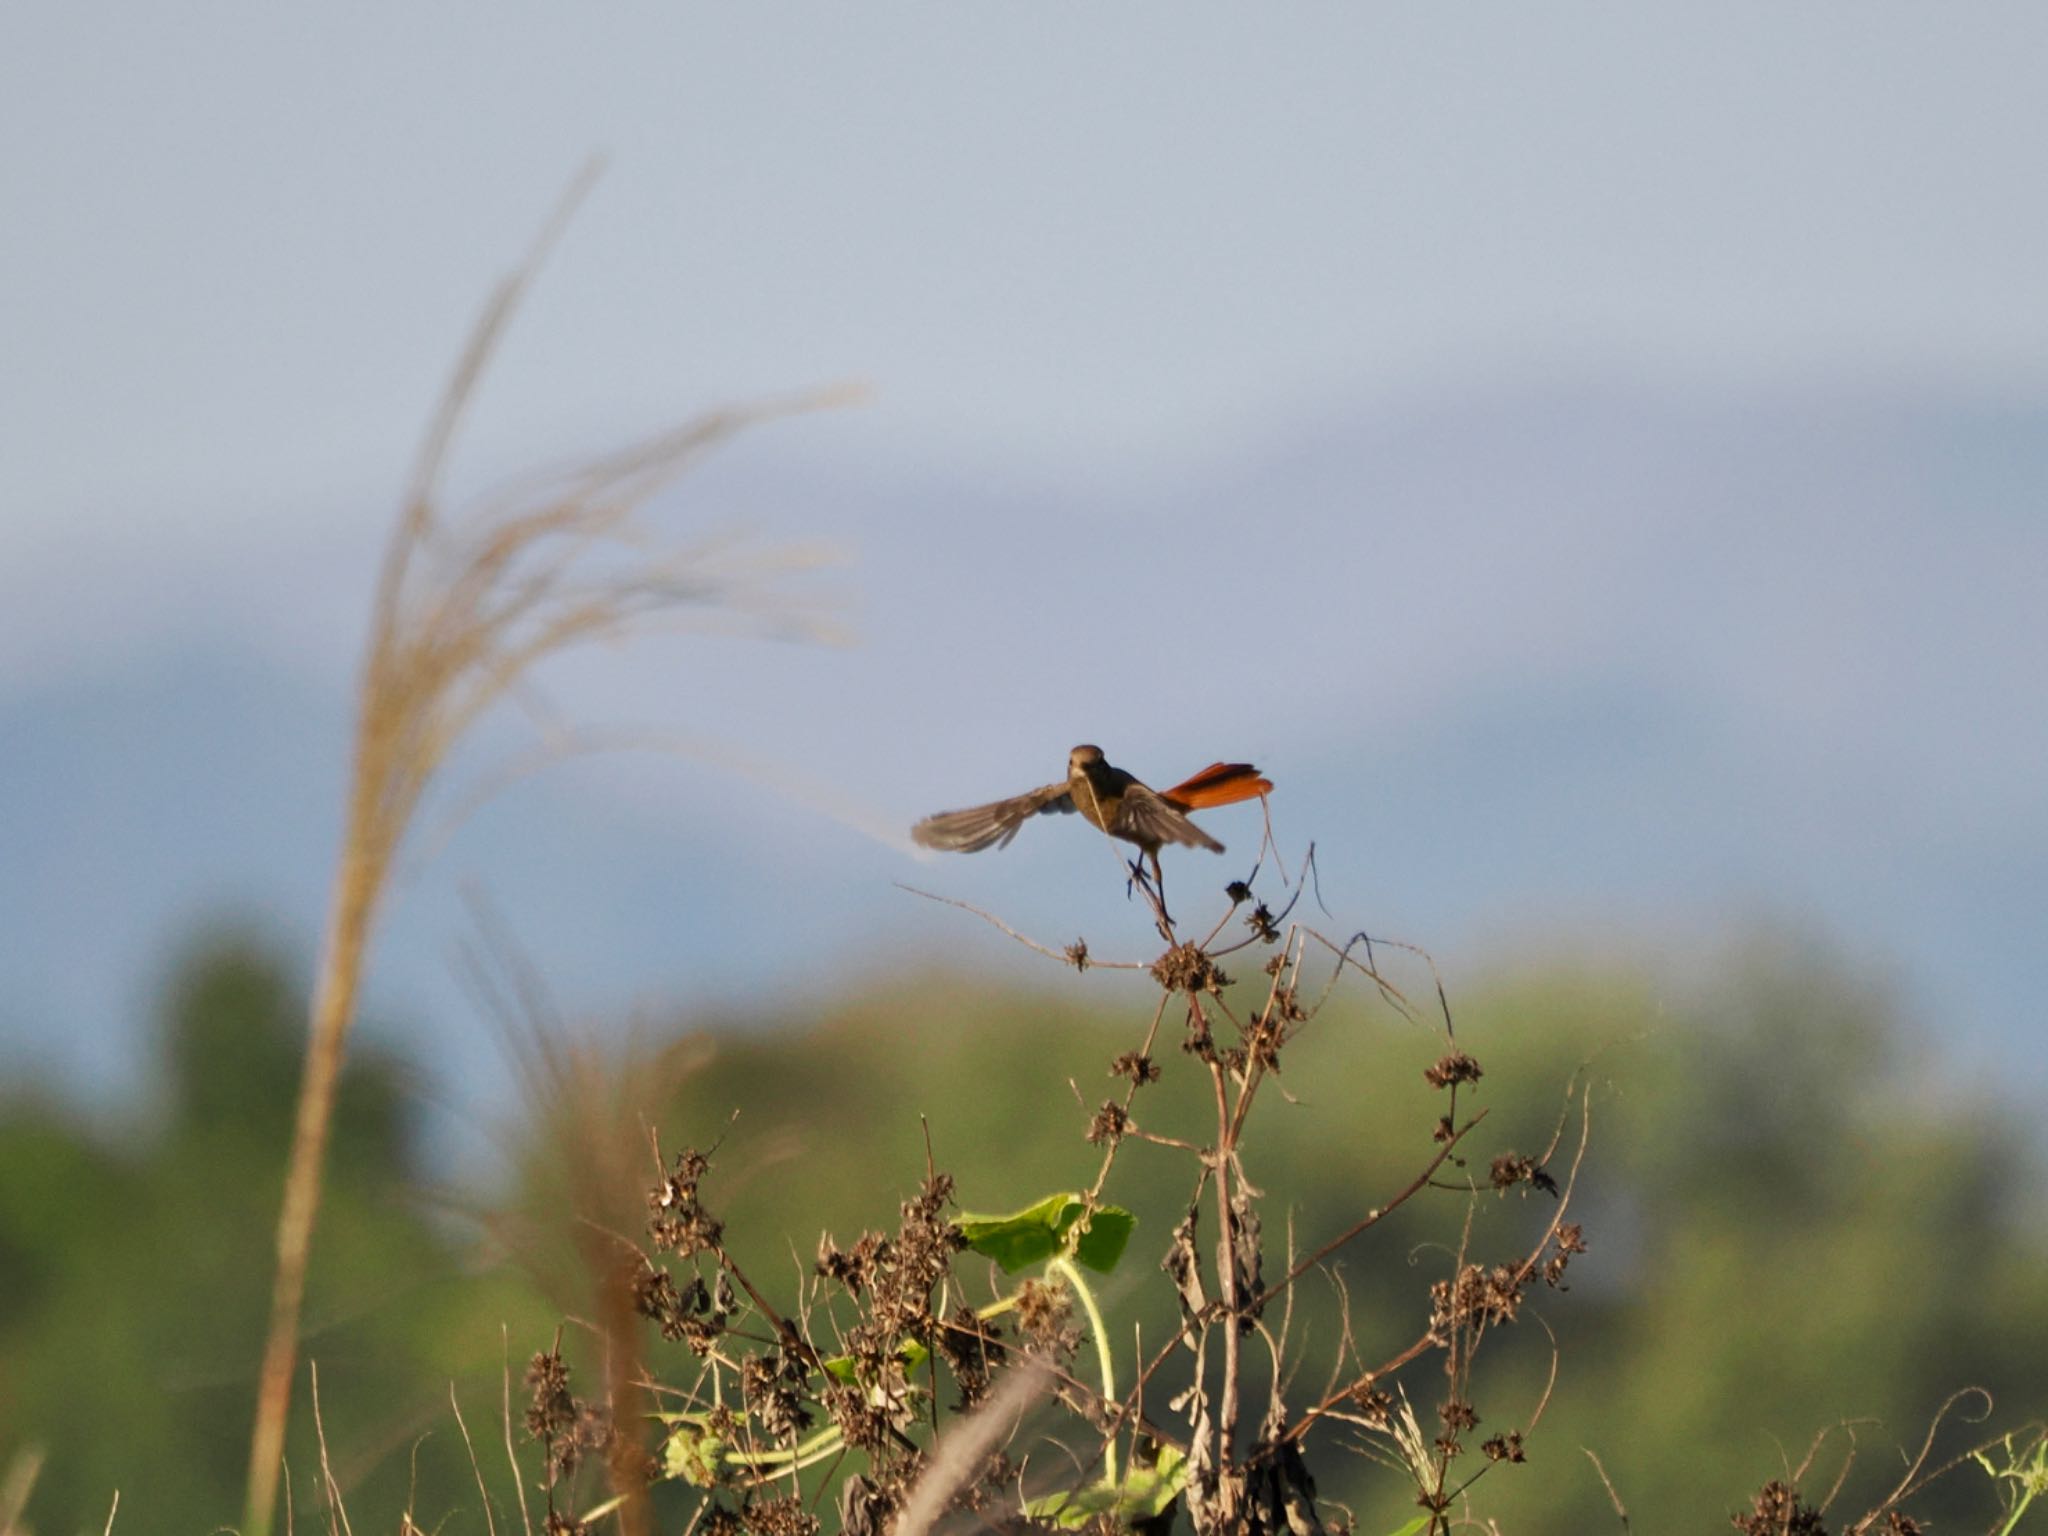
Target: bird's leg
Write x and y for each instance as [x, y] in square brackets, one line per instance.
[1141, 881]
[1153, 884]
[1159, 889]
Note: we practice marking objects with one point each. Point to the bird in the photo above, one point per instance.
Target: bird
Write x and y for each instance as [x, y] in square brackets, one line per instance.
[1109, 797]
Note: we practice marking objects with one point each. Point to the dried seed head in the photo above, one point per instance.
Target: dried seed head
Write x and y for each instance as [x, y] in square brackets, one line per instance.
[1042, 1314]
[972, 1346]
[678, 1223]
[1188, 968]
[1512, 1168]
[1570, 1240]
[1507, 1447]
[1135, 1065]
[1264, 926]
[773, 1384]
[567, 1426]
[865, 1425]
[1263, 1040]
[1109, 1123]
[1456, 1067]
[550, 1410]
[1477, 1296]
[1374, 1405]
[785, 1516]
[1777, 1510]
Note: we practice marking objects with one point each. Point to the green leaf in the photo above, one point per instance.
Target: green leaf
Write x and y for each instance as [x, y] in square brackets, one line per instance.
[1101, 1243]
[910, 1352]
[1030, 1236]
[1144, 1493]
[1414, 1527]
[840, 1367]
[1047, 1230]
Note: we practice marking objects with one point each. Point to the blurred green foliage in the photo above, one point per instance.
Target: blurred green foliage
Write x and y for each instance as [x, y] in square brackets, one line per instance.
[135, 1270]
[1795, 1219]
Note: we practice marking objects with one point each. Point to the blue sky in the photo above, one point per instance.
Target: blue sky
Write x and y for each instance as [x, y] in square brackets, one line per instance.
[1370, 383]
[247, 242]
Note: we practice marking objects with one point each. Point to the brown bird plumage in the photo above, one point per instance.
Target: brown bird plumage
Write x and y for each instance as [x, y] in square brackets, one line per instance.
[1107, 796]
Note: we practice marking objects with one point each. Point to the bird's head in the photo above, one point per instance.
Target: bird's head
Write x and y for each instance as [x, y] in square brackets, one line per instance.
[1082, 758]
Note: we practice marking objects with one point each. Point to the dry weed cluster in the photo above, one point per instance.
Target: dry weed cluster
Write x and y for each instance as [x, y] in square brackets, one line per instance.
[889, 1393]
[959, 1372]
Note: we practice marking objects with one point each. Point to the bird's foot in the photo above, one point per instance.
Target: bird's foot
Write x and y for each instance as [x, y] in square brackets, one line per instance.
[1155, 893]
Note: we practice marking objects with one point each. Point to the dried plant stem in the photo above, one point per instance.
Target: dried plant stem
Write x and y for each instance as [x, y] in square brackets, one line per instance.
[462, 615]
[957, 1457]
[482, 1491]
[627, 1454]
[19, 1483]
[1226, 1278]
[337, 1511]
[355, 898]
[1065, 957]
[505, 1411]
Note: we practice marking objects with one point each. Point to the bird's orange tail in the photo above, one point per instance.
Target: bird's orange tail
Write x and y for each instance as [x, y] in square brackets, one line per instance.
[1218, 784]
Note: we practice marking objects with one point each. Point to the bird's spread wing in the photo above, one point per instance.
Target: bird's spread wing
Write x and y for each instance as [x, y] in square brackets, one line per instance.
[1145, 818]
[989, 826]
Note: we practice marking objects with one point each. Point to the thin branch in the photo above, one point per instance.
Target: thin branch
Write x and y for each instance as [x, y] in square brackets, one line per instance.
[1063, 956]
[484, 1493]
[1376, 1215]
[1613, 1494]
[335, 1507]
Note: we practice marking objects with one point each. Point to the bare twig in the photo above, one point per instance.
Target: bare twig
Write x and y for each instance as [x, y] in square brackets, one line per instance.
[336, 1509]
[1613, 1494]
[1377, 1214]
[1916, 1477]
[484, 1493]
[511, 1456]
[1065, 957]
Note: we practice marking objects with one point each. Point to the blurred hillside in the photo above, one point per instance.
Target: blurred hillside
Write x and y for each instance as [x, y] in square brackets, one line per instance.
[1796, 1218]
[1578, 661]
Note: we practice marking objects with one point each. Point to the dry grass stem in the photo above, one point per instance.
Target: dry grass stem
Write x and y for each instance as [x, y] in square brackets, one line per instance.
[960, 1454]
[482, 1492]
[15, 1488]
[464, 612]
[337, 1511]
